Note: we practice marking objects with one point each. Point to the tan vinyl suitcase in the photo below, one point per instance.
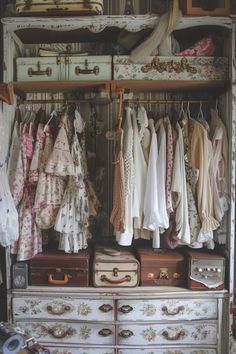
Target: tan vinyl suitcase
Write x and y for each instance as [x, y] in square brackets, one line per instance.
[59, 7]
[115, 268]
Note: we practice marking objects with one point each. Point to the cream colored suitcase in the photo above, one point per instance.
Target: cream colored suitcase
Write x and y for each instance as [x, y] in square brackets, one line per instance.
[40, 69]
[115, 268]
[171, 68]
[59, 7]
[59, 68]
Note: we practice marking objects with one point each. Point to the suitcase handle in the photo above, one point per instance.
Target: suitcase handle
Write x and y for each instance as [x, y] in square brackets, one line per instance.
[58, 281]
[39, 72]
[86, 70]
[118, 281]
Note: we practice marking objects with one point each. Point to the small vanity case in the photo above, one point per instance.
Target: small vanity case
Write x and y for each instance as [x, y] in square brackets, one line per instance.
[59, 7]
[115, 268]
[60, 269]
[162, 267]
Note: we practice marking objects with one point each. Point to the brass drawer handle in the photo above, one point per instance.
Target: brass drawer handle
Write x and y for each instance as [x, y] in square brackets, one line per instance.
[117, 281]
[125, 309]
[86, 70]
[126, 333]
[60, 332]
[105, 308]
[39, 72]
[105, 332]
[172, 312]
[179, 335]
[56, 309]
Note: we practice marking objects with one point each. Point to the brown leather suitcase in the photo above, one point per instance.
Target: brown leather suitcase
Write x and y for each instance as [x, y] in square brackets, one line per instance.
[115, 267]
[162, 267]
[60, 269]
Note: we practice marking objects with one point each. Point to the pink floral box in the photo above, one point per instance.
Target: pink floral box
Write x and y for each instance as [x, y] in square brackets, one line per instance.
[171, 68]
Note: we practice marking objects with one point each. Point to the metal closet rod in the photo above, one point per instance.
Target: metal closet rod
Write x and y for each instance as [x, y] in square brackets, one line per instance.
[55, 101]
[167, 101]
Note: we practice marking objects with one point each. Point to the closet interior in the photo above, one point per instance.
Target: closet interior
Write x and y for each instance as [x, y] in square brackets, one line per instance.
[83, 120]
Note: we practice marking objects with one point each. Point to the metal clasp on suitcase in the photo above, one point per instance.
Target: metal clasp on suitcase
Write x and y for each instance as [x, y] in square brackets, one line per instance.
[94, 71]
[39, 72]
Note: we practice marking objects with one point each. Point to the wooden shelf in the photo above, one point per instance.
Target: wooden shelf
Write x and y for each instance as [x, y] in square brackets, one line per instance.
[22, 88]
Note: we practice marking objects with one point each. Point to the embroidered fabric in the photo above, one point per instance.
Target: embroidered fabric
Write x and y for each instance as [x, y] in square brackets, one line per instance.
[38, 155]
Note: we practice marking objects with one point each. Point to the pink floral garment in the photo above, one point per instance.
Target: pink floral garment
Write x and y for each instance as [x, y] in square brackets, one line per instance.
[38, 154]
[30, 238]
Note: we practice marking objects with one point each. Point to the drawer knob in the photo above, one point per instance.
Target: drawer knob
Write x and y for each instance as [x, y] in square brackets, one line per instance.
[105, 308]
[126, 333]
[105, 332]
[58, 309]
[125, 309]
[174, 336]
[173, 312]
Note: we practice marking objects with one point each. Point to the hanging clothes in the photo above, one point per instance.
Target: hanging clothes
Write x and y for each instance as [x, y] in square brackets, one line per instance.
[169, 163]
[30, 239]
[14, 153]
[73, 216]
[37, 158]
[125, 238]
[180, 190]
[118, 211]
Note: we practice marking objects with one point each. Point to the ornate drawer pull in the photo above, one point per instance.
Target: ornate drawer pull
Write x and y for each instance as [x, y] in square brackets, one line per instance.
[47, 72]
[105, 332]
[118, 281]
[105, 308]
[59, 332]
[86, 70]
[58, 309]
[58, 281]
[172, 312]
[178, 335]
[126, 333]
[125, 309]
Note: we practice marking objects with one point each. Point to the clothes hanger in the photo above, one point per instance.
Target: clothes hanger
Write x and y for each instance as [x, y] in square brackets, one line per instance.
[52, 115]
[200, 115]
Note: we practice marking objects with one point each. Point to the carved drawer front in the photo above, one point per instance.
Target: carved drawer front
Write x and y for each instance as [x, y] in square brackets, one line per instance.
[166, 351]
[163, 334]
[171, 310]
[71, 333]
[81, 351]
[71, 309]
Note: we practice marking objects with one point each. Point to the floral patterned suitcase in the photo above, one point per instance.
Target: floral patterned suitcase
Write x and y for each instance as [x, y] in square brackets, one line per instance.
[171, 68]
[115, 268]
[59, 7]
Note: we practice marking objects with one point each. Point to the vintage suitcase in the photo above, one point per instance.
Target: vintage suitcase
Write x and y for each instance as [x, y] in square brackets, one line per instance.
[206, 271]
[162, 267]
[115, 268]
[59, 7]
[206, 7]
[64, 68]
[171, 68]
[60, 269]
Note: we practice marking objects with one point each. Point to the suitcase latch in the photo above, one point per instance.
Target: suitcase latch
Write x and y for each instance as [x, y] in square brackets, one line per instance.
[164, 273]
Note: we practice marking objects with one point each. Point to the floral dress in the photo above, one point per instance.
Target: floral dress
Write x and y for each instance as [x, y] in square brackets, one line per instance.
[38, 154]
[30, 238]
[73, 217]
[50, 189]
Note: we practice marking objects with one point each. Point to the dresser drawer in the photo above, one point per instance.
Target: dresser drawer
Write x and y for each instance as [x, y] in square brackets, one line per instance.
[165, 351]
[81, 351]
[163, 334]
[66, 309]
[71, 333]
[171, 310]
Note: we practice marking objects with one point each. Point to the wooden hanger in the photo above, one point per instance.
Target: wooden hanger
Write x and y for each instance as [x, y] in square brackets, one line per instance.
[7, 93]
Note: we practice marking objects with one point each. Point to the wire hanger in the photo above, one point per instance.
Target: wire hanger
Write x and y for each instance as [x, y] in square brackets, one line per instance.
[52, 115]
[200, 115]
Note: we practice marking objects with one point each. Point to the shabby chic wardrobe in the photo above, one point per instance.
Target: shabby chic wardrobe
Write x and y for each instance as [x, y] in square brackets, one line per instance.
[122, 320]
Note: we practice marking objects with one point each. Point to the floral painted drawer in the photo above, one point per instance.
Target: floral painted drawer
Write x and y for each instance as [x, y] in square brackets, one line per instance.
[159, 310]
[80, 351]
[163, 334]
[72, 309]
[171, 68]
[71, 333]
[167, 351]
